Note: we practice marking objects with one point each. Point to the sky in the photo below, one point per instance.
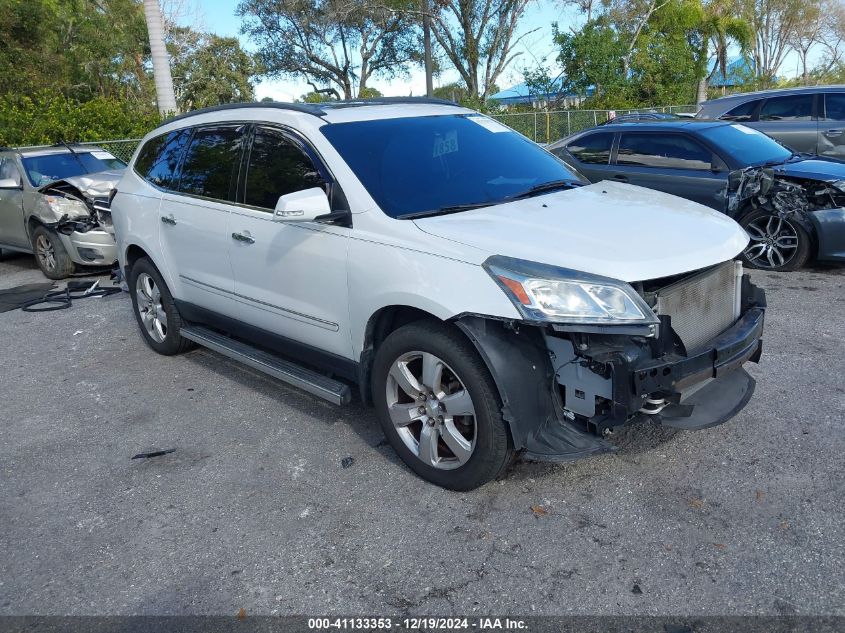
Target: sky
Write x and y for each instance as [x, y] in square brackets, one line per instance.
[218, 16]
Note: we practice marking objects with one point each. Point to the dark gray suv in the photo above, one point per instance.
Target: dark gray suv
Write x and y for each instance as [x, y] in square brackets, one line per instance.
[805, 119]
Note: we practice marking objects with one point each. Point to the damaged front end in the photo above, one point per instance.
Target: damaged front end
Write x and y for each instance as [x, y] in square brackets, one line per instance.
[566, 386]
[78, 204]
[792, 193]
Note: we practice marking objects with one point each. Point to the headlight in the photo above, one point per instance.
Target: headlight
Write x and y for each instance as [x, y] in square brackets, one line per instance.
[557, 295]
[67, 206]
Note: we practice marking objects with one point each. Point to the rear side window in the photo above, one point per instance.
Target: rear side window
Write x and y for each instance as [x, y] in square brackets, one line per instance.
[158, 160]
[669, 151]
[834, 106]
[789, 108]
[277, 166]
[210, 167]
[592, 148]
[743, 112]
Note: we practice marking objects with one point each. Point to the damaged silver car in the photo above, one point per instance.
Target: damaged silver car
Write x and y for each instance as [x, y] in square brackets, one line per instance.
[54, 204]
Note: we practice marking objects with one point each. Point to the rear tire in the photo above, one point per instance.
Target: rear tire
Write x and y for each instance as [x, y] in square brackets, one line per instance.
[450, 432]
[155, 310]
[50, 254]
[777, 244]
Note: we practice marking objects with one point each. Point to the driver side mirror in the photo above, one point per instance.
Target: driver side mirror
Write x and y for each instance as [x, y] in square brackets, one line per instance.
[302, 206]
[10, 183]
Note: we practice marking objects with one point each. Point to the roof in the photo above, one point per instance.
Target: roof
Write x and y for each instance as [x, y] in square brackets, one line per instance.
[777, 91]
[328, 111]
[521, 93]
[668, 124]
[737, 72]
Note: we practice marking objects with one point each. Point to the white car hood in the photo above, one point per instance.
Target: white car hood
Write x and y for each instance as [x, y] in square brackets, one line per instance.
[611, 229]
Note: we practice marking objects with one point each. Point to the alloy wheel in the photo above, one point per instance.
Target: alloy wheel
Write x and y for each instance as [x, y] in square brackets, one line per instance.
[774, 241]
[153, 315]
[432, 410]
[45, 252]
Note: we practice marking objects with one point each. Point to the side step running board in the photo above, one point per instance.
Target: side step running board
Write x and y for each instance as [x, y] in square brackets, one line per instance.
[291, 373]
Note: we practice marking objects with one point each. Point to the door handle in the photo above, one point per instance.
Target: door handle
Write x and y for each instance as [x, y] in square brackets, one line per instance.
[835, 132]
[243, 237]
[169, 219]
[620, 177]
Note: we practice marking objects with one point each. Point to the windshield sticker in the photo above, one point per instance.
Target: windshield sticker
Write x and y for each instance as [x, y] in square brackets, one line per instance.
[102, 155]
[489, 124]
[445, 144]
[745, 130]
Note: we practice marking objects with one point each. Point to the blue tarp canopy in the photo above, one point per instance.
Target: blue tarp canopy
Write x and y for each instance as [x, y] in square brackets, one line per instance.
[739, 71]
[520, 93]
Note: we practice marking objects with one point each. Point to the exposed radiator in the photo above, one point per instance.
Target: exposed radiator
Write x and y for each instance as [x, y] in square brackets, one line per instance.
[703, 305]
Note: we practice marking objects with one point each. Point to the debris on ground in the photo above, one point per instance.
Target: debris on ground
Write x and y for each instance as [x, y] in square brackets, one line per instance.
[346, 462]
[539, 511]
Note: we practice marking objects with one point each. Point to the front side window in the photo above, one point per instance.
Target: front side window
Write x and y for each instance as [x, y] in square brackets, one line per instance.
[592, 149]
[669, 151]
[9, 171]
[742, 112]
[158, 160]
[790, 108]
[277, 166]
[444, 163]
[210, 167]
[834, 106]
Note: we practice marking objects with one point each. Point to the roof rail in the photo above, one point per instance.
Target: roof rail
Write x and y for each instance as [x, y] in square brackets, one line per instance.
[317, 109]
[307, 108]
[352, 103]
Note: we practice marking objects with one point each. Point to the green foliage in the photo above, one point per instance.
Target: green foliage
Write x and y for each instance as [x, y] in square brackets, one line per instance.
[211, 70]
[46, 118]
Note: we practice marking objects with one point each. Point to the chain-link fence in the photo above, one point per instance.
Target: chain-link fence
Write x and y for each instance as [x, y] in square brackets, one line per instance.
[122, 149]
[547, 127]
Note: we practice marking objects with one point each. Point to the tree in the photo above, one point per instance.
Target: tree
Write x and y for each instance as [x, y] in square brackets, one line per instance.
[478, 37]
[722, 25]
[212, 70]
[775, 23]
[334, 45]
[819, 24]
[161, 63]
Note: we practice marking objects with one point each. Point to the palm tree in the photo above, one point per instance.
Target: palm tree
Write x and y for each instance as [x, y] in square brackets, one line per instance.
[724, 24]
[161, 63]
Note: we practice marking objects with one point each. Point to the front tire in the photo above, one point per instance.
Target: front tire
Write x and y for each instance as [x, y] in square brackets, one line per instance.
[778, 244]
[439, 407]
[155, 310]
[50, 254]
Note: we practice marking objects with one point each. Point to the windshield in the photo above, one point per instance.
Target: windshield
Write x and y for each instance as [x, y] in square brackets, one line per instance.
[444, 163]
[44, 169]
[747, 146]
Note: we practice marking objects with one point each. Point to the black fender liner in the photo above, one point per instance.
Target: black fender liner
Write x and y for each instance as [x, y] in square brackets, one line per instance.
[519, 362]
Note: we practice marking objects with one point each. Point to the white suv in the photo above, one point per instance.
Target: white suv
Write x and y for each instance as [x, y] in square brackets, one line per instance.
[481, 295]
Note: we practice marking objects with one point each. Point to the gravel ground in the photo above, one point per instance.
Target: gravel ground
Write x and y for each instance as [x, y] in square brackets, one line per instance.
[254, 509]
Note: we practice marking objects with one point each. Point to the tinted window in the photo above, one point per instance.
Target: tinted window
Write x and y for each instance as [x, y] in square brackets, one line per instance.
[422, 164]
[277, 166]
[159, 158]
[791, 108]
[210, 168]
[742, 112]
[42, 170]
[592, 148]
[834, 106]
[662, 150]
[746, 146]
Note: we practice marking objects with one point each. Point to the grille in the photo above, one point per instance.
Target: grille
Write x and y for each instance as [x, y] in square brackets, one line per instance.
[703, 305]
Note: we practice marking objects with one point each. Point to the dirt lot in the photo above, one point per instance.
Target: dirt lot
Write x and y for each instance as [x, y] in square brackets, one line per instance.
[254, 509]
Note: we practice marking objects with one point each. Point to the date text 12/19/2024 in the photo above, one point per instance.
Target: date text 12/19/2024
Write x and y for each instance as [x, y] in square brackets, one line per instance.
[418, 624]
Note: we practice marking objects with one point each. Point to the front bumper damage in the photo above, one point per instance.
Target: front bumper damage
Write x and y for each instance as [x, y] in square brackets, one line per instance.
[78, 210]
[817, 205]
[563, 392]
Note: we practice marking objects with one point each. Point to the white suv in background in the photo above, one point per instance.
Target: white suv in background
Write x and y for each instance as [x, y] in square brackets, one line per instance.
[482, 297]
